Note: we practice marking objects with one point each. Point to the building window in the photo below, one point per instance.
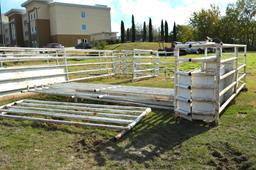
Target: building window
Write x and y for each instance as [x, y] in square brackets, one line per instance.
[13, 31]
[33, 30]
[84, 27]
[83, 14]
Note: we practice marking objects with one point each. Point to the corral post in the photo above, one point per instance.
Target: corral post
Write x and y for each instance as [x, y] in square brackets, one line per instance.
[66, 65]
[206, 52]
[236, 67]
[217, 82]
[157, 64]
[134, 66]
[57, 55]
[176, 57]
[113, 62]
[245, 67]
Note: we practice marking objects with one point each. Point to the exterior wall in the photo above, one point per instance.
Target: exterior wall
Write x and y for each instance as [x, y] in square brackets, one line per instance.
[43, 31]
[25, 27]
[46, 21]
[39, 9]
[68, 20]
[7, 40]
[68, 40]
[4, 31]
[16, 21]
[38, 23]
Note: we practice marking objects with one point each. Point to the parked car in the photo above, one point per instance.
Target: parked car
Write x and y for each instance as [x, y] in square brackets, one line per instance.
[194, 50]
[54, 45]
[171, 49]
[83, 45]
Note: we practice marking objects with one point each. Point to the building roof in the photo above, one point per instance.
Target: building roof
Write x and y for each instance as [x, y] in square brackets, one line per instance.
[97, 6]
[24, 4]
[15, 11]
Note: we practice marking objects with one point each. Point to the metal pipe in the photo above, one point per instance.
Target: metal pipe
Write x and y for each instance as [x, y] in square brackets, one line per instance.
[100, 114]
[70, 116]
[79, 108]
[85, 105]
[134, 123]
[231, 98]
[62, 122]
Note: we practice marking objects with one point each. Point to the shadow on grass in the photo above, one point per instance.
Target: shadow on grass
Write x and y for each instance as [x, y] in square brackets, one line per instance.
[154, 136]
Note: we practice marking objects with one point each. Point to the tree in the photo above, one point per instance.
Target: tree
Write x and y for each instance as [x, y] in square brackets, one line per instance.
[162, 31]
[133, 29]
[166, 30]
[128, 36]
[150, 31]
[122, 32]
[205, 23]
[144, 32]
[174, 31]
[184, 33]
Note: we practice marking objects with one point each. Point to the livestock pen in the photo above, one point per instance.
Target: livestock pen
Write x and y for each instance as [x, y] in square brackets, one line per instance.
[203, 86]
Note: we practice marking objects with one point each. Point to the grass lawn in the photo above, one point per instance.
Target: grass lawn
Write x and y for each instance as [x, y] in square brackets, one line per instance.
[136, 45]
[158, 142]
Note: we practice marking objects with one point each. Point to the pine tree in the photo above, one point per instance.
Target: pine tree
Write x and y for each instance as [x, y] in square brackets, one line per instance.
[150, 31]
[144, 32]
[122, 32]
[162, 30]
[166, 30]
[133, 29]
[174, 32]
[128, 35]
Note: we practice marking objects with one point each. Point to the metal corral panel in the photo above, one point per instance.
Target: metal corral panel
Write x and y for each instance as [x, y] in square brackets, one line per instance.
[19, 79]
[203, 93]
[161, 98]
[122, 118]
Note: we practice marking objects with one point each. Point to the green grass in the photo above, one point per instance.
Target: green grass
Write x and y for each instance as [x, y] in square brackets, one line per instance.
[158, 142]
[136, 45]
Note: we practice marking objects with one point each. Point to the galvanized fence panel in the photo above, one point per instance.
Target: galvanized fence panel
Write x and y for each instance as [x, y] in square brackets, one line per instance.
[122, 118]
[203, 93]
[23, 68]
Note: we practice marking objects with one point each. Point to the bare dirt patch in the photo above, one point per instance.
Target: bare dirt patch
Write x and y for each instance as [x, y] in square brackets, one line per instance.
[224, 156]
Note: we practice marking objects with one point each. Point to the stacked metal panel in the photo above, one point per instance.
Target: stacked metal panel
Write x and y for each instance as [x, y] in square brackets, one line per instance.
[160, 98]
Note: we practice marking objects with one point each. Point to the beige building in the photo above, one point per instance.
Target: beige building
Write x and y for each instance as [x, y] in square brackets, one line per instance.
[46, 21]
[5, 31]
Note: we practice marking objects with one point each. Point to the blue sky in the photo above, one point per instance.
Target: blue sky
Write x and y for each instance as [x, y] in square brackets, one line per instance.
[170, 10]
